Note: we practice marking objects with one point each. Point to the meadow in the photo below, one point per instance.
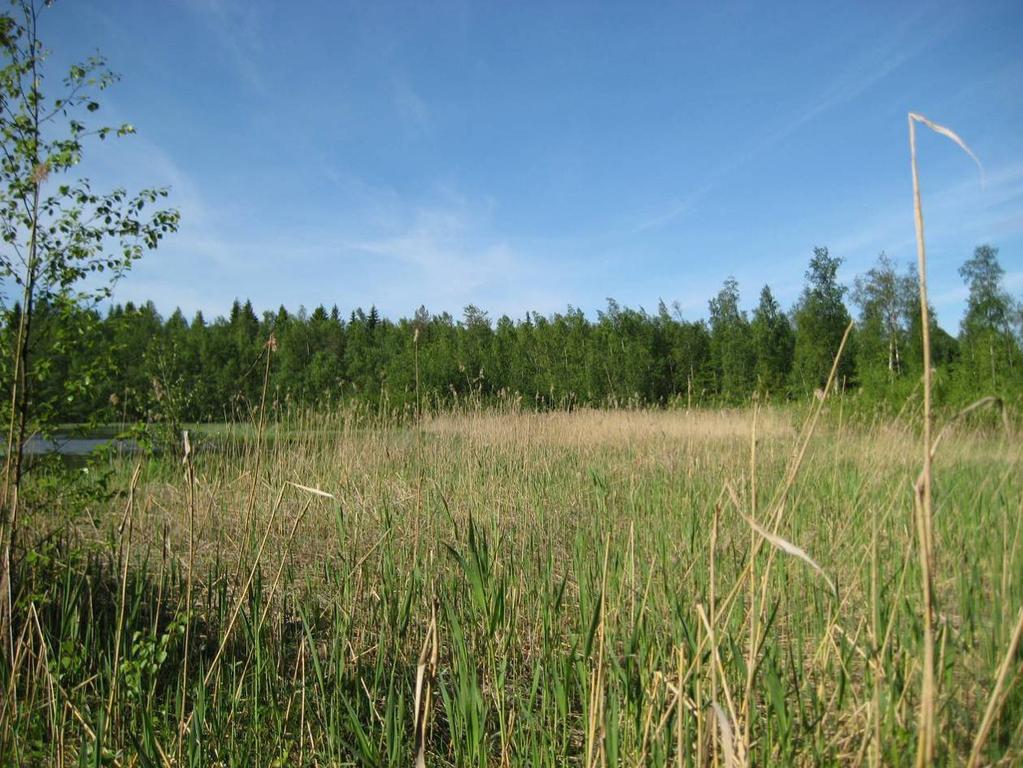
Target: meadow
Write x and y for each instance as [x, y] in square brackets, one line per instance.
[502, 587]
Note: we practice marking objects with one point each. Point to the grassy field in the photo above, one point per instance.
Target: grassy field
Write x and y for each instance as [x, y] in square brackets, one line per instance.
[589, 588]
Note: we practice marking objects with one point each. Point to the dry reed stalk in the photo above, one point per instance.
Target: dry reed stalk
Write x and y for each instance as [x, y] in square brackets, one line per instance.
[415, 351]
[67, 699]
[990, 400]
[733, 757]
[44, 666]
[727, 736]
[9, 703]
[997, 698]
[245, 589]
[679, 725]
[313, 491]
[753, 630]
[426, 672]
[648, 719]
[268, 348]
[632, 573]
[270, 596]
[791, 549]
[419, 452]
[712, 596]
[301, 718]
[777, 506]
[597, 676]
[875, 615]
[126, 554]
[696, 668]
[923, 496]
[190, 480]
[294, 684]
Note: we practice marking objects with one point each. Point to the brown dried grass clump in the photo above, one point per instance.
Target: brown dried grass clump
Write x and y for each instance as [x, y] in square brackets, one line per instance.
[592, 428]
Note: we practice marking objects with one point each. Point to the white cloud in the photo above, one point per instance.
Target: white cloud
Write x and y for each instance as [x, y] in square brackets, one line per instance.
[410, 106]
[446, 255]
[442, 251]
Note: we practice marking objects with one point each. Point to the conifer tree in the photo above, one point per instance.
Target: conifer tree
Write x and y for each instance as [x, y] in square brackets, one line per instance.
[773, 344]
[731, 345]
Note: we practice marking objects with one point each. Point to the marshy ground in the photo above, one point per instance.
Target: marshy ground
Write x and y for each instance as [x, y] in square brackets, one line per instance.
[585, 588]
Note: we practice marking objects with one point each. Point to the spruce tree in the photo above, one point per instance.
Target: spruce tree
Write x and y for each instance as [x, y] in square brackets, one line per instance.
[731, 345]
[773, 344]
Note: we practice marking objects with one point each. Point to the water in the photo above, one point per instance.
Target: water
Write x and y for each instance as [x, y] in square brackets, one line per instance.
[74, 446]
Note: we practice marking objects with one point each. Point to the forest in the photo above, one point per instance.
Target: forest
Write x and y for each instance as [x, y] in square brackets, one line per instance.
[128, 363]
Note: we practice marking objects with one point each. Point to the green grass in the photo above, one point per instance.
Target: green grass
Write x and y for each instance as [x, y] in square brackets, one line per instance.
[587, 578]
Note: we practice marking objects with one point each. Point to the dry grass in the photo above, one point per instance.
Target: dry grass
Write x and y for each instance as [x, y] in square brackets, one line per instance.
[589, 428]
[581, 575]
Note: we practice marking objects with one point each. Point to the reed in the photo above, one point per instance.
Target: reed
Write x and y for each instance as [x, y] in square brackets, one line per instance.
[924, 494]
[507, 589]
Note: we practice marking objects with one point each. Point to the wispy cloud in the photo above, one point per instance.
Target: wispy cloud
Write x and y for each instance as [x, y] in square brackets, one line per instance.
[447, 254]
[441, 250]
[680, 206]
[968, 207]
[410, 106]
[957, 217]
[862, 73]
[237, 26]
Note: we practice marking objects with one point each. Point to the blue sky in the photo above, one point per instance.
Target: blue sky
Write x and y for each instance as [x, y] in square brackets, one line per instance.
[528, 156]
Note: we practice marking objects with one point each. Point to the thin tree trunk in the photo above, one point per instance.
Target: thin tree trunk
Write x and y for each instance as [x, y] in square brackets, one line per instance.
[19, 386]
[16, 435]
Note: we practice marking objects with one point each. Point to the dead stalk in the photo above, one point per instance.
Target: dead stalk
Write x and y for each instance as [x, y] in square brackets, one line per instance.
[126, 555]
[190, 481]
[997, 698]
[426, 672]
[923, 495]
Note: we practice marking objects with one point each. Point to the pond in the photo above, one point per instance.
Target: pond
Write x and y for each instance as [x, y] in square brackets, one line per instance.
[67, 445]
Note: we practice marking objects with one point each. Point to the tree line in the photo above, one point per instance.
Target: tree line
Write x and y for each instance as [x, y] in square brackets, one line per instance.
[129, 363]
